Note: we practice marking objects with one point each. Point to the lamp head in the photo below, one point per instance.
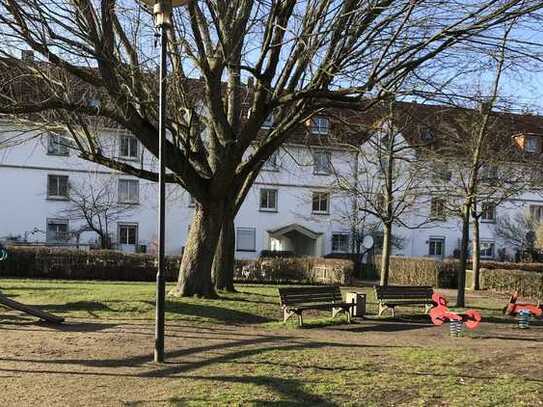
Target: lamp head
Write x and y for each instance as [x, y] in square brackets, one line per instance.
[162, 9]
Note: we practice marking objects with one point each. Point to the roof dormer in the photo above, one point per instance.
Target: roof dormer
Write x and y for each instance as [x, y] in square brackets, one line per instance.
[528, 142]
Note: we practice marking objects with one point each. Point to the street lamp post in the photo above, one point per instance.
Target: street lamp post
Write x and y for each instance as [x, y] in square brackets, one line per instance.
[162, 10]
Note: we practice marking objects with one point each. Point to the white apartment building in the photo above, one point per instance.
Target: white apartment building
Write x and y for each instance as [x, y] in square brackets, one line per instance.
[291, 206]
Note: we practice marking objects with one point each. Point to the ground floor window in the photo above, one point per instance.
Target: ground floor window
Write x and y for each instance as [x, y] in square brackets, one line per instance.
[128, 234]
[436, 247]
[246, 239]
[340, 242]
[487, 249]
[57, 231]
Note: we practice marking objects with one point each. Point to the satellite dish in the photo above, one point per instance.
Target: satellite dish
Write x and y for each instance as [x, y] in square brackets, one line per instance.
[368, 242]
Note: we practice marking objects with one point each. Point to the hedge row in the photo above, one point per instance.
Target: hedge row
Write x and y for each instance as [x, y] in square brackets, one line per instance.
[422, 271]
[491, 265]
[527, 283]
[54, 263]
[310, 270]
[44, 262]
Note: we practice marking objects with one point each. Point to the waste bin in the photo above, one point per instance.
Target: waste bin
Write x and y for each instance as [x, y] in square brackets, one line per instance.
[359, 300]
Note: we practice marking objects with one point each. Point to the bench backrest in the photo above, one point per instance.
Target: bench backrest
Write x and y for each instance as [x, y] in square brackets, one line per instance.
[310, 295]
[403, 292]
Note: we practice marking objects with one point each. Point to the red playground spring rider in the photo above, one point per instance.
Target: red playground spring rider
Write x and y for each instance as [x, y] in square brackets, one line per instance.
[523, 312]
[440, 314]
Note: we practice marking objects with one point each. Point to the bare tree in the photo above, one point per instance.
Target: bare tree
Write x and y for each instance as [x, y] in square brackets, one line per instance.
[95, 204]
[388, 181]
[521, 231]
[300, 57]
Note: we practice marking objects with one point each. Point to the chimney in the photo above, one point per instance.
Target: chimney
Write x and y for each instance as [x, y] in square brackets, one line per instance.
[27, 55]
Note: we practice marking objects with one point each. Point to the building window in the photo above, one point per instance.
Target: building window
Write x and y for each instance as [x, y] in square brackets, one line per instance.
[57, 145]
[320, 125]
[57, 231]
[272, 163]
[488, 212]
[436, 247]
[245, 239]
[128, 147]
[128, 234]
[532, 144]
[57, 187]
[322, 162]
[486, 249]
[321, 202]
[437, 208]
[129, 191]
[268, 200]
[536, 212]
[340, 242]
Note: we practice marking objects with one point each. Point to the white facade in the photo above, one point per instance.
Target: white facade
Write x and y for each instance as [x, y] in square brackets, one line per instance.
[290, 207]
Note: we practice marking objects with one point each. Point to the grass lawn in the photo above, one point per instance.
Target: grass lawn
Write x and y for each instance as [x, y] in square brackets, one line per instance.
[234, 351]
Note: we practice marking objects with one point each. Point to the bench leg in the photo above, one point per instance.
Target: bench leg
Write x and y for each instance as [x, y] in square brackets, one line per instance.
[287, 314]
[300, 319]
[382, 309]
[393, 309]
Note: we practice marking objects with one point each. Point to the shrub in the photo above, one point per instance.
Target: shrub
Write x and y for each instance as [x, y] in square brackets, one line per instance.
[45, 262]
[422, 271]
[538, 267]
[277, 253]
[527, 283]
[309, 270]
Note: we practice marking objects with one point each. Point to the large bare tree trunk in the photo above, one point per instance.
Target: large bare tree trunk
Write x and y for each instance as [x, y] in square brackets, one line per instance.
[195, 270]
[476, 256]
[224, 260]
[385, 255]
[460, 299]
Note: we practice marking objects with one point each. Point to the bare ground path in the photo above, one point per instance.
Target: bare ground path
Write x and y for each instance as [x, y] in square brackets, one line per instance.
[108, 363]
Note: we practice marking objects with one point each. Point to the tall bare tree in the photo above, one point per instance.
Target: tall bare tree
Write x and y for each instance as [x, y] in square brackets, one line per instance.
[388, 182]
[96, 61]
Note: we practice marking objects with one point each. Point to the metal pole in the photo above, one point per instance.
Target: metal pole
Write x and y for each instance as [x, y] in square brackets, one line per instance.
[160, 280]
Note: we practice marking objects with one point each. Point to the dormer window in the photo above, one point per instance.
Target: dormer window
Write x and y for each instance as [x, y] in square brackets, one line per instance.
[320, 125]
[529, 143]
[426, 135]
[532, 144]
[57, 144]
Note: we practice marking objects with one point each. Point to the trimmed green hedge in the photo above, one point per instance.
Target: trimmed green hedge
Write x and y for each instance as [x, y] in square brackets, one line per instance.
[44, 262]
[310, 270]
[527, 283]
[422, 271]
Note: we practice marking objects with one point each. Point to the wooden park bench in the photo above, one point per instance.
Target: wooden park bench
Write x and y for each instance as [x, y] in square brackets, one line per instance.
[295, 300]
[393, 296]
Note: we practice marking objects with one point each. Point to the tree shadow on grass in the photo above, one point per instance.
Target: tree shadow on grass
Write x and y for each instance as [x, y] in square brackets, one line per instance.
[214, 312]
[384, 326]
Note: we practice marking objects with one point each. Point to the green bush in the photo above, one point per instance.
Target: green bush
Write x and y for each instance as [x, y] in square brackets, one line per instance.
[538, 267]
[422, 271]
[527, 283]
[45, 262]
[307, 270]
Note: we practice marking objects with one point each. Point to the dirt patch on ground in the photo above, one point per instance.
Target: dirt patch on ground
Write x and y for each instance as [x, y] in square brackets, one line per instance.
[96, 362]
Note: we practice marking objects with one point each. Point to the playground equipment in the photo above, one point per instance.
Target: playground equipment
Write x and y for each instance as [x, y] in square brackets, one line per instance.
[523, 312]
[440, 314]
[27, 309]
